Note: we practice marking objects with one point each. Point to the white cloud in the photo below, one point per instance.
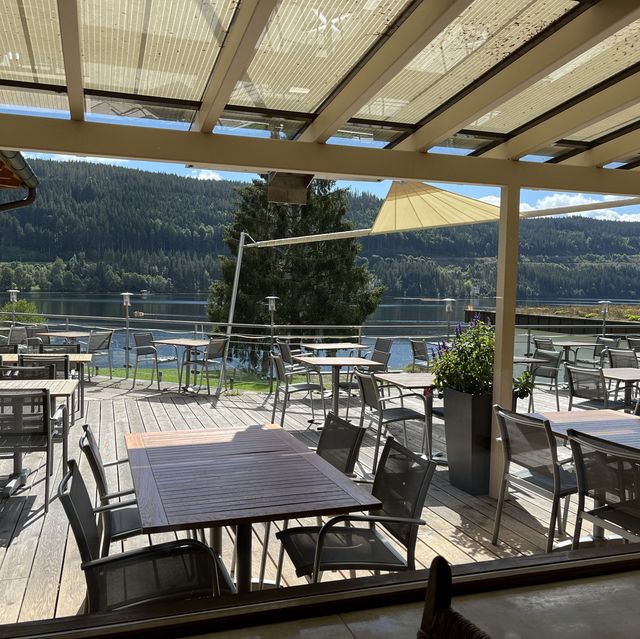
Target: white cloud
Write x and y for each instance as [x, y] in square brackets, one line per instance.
[204, 174]
[491, 199]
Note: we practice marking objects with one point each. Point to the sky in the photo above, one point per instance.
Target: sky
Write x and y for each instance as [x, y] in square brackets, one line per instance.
[530, 199]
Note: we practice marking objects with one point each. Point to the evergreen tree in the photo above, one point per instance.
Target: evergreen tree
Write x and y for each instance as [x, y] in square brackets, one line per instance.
[317, 283]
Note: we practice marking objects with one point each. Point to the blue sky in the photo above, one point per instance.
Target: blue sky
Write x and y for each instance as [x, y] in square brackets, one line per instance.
[530, 199]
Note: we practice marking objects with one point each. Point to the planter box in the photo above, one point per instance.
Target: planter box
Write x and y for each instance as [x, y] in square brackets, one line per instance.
[468, 435]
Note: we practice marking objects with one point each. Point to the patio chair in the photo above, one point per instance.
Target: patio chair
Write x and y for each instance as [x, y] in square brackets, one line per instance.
[27, 425]
[597, 359]
[544, 343]
[99, 343]
[34, 340]
[349, 385]
[284, 385]
[214, 353]
[145, 350]
[609, 474]
[622, 358]
[548, 371]
[18, 336]
[28, 372]
[439, 619]
[589, 384]
[59, 349]
[420, 354]
[634, 342]
[119, 519]
[173, 571]
[531, 464]
[401, 483]
[8, 349]
[287, 353]
[61, 363]
[372, 399]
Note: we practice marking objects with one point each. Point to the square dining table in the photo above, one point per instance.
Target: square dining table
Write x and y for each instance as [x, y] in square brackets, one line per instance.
[194, 479]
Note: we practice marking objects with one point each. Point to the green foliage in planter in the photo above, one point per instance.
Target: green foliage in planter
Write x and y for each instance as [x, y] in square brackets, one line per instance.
[467, 364]
[523, 385]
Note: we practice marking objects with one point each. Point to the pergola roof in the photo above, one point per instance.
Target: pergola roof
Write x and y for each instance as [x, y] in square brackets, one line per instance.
[263, 84]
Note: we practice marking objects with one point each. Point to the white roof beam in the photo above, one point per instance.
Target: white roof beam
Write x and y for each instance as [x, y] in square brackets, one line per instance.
[411, 37]
[592, 26]
[616, 149]
[70, 38]
[235, 56]
[238, 153]
[599, 106]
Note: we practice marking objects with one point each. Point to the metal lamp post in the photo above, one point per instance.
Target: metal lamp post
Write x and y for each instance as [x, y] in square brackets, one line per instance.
[448, 309]
[605, 310]
[13, 298]
[126, 302]
[271, 305]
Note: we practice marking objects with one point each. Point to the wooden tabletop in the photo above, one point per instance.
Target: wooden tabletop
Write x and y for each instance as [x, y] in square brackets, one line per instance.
[196, 479]
[613, 425]
[622, 374]
[335, 346]
[568, 343]
[65, 334]
[56, 387]
[74, 358]
[524, 359]
[407, 380]
[338, 362]
[183, 341]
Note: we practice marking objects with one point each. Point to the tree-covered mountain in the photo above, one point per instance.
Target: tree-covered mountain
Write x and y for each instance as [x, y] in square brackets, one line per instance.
[98, 227]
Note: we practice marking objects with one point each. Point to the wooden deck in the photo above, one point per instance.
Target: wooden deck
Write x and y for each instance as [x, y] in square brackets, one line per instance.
[40, 575]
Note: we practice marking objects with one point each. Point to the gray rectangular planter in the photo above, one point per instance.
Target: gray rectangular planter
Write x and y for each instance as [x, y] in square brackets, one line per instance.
[468, 434]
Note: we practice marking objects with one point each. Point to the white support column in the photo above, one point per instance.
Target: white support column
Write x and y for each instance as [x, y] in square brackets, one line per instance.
[508, 237]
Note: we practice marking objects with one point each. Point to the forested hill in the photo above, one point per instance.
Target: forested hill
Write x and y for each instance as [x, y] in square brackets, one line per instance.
[104, 228]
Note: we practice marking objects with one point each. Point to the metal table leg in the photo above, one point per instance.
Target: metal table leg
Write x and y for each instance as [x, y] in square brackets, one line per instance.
[18, 478]
[243, 557]
[335, 387]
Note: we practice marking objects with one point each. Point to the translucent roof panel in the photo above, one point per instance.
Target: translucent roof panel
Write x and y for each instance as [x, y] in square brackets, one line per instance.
[616, 53]
[483, 35]
[608, 125]
[164, 48]
[308, 47]
[31, 102]
[30, 50]
[118, 111]
[364, 135]
[258, 125]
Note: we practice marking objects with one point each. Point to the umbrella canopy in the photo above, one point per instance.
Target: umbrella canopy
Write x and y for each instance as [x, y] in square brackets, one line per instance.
[412, 206]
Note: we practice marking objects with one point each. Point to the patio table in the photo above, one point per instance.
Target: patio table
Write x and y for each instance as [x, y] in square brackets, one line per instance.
[67, 335]
[569, 344]
[190, 345]
[333, 347]
[234, 477]
[629, 376]
[57, 388]
[336, 363]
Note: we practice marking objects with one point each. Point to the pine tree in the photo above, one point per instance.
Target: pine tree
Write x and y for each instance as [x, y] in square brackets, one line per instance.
[317, 283]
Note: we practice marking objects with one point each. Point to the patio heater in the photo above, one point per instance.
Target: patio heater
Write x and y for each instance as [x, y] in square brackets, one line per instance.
[605, 310]
[13, 298]
[126, 303]
[271, 305]
[448, 309]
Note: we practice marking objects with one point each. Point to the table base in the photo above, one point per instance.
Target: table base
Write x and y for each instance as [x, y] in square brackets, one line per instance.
[17, 479]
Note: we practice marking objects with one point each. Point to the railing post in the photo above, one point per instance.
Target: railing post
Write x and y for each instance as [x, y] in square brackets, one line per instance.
[528, 342]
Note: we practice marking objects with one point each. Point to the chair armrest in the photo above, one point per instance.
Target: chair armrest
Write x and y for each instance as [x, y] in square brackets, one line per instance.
[120, 504]
[117, 461]
[119, 493]
[59, 417]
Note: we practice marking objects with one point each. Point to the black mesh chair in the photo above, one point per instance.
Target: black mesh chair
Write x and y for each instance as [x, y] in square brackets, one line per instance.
[420, 354]
[119, 519]
[59, 349]
[634, 342]
[589, 384]
[349, 385]
[621, 358]
[372, 399]
[287, 353]
[287, 388]
[531, 463]
[204, 362]
[439, 619]
[18, 336]
[61, 363]
[401, 485]
[38, 334]
[173, 571]
[28, 372]
[609, 474]
[145, 350]
[597, 358]
[548, 372]
[26, 425]
[99, 343]
[8, 349]
[544, 343]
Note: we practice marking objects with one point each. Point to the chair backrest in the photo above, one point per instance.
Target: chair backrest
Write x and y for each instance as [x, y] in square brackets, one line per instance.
[89, 446]
[381, 357]
[529, 443]
[8, 349]
[544, 343]
[383, 344]
[605, 342]
[217, 347]
[588, 383]
[622, 358]
[99, 341]
[340, 442]
[278, 367]
[285, 351]
[634, 342]
[61, 363]
[369, 392]
[75, 500]
[144, 343]
[401, 483]
[40, 329]
[59, 349]
[17, 335]
[23, 413]
[607, 471]
[419, 349]
[549, 369]
[28, 372]
[439, 620]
